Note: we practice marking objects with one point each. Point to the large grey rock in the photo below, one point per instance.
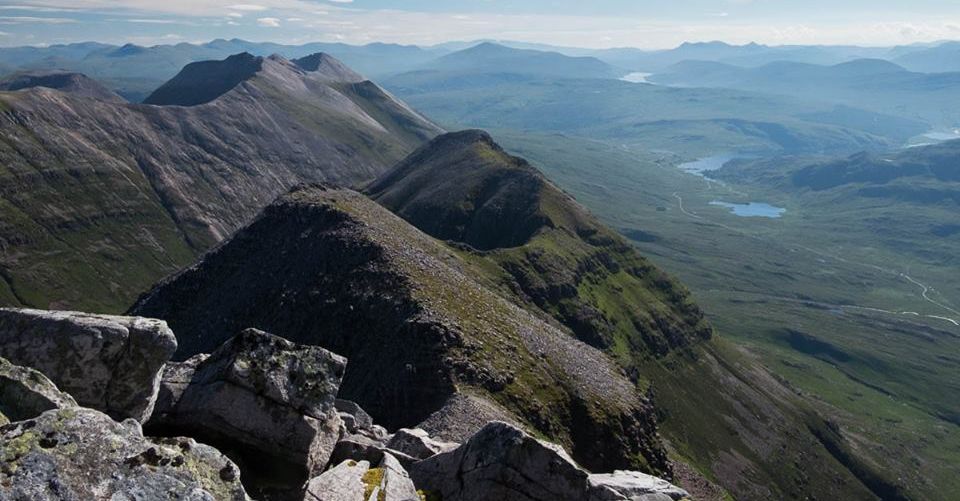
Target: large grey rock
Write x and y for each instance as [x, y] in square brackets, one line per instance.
[364, 448]
[269, 399]
[504, 463]
[79, 454]
[635, 485]
[343, 482]
[417, 443]
[360, 420]
[356, 481]
[25, 393]
[108, 363]
[396, 484]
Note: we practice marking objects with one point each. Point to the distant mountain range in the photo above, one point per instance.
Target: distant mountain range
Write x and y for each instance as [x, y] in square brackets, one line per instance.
[134, 71]
[96, 187]
[873, 84]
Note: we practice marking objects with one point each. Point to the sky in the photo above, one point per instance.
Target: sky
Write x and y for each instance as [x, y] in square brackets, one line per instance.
[649, 24]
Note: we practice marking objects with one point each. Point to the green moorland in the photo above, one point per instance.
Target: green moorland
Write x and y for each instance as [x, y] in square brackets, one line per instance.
[818, 296]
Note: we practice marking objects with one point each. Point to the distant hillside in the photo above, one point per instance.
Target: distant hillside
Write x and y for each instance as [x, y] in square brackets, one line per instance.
[872, 84]
[100, 199]
[73, 83]
[938, 59]
[494, 58]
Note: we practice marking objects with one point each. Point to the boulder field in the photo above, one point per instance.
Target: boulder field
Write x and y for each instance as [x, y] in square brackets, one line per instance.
[258, 418]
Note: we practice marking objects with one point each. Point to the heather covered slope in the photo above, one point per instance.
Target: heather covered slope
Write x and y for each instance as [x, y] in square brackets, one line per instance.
[332, 268]
[100, 199]
[721, 412]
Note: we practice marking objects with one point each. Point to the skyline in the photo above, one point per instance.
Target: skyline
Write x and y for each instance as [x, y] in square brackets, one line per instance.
[602, 24]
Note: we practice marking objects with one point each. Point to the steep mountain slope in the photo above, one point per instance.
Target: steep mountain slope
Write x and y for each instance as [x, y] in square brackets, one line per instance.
[720, 411]
[463, 187]
[330, 267]
[101, 198]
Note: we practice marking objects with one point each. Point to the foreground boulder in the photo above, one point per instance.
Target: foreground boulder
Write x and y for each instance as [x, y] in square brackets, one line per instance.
[26, 393]
[356, 481]
[108, 363]
[269, 401]
[81, 453]
[504, 463]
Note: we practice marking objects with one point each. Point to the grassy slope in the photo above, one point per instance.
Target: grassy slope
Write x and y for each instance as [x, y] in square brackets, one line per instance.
[884, 380]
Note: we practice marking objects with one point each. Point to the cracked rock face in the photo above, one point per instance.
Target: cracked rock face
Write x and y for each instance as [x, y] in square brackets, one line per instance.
[81, 453]
[356, 481]
[262, 397]
[25, 393]
[108, 363]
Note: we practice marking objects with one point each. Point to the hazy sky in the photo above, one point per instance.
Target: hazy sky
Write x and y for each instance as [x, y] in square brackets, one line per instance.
[584, 23]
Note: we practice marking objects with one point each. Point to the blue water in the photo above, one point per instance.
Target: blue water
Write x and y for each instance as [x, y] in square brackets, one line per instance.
[705, 164]
[752, 209]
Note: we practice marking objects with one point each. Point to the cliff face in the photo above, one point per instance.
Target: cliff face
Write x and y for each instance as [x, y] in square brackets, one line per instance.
[107, 197]
[332, 268]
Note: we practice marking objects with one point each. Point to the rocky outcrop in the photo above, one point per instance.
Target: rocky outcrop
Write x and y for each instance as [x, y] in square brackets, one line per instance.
[356, 481]
[108, 363]
[329, 267]
[502, 462]
[26, 393]
[80, 453]
[261, 397]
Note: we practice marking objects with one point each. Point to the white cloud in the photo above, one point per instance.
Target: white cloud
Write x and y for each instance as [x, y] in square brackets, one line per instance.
[235, 15]
[248, 7]
[269, 22]
[35, 20]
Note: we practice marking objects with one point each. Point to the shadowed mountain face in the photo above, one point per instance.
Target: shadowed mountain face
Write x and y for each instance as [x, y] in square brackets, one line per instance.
[205, 81]
[112, 196]
[332, 268]
[73, 83]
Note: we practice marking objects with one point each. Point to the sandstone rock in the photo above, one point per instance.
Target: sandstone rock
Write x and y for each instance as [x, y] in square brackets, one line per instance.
[417, 443]
[343, 482]
[635, 485]
[109, 363]
[81, 453]
[504, 463]
[26, 393]
[267, 399]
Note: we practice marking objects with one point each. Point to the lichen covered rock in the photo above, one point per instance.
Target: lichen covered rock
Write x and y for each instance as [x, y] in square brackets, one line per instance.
[260, 396]
[26, 393]
[81, 453]
[108, 363]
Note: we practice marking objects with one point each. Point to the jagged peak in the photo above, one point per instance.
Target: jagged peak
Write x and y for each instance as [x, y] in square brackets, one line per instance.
[204, 81]
[329, 67]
